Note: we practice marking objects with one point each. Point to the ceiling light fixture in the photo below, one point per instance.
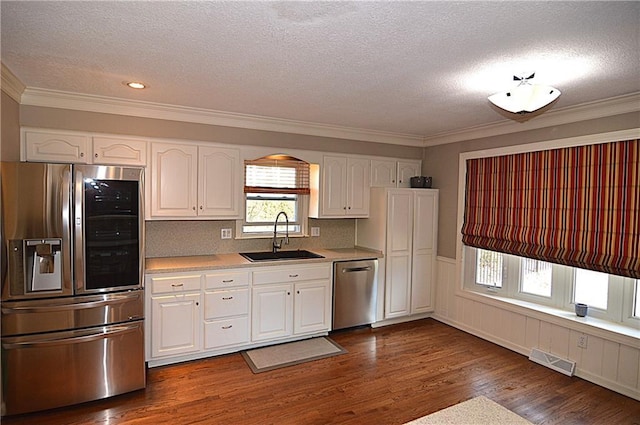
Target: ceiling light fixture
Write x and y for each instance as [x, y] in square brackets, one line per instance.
[136, 85]
[525, 97]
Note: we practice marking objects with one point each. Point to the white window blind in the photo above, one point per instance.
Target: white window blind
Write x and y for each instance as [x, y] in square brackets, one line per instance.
[281, 174]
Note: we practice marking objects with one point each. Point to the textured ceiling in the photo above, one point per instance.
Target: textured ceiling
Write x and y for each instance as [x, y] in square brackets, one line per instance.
[419, 68]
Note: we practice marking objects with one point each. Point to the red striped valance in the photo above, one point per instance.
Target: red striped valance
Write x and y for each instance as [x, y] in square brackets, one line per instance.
[578, 206]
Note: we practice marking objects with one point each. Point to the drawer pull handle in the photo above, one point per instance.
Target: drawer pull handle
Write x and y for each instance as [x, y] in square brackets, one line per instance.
[293, 275]
[227, 281]
[177, 285]
[227, 327]
[227, 298]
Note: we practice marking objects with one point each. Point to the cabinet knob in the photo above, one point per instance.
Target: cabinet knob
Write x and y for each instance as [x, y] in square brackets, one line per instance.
[200, 206]
[298, 292]
[288, 293]
[194, 208]
[197, 303]
[344, 208]
[227, 281]
[81, 154]
[227, 298]
[393, 181]
[177, 285]
[227, 327]
[293, 275]
[96, 155]
[349, 207]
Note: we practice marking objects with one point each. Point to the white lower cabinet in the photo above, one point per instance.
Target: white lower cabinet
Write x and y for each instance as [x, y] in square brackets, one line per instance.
[174, 310]
[271, 315]
[200, 314]
[291, 301]
[175, 327]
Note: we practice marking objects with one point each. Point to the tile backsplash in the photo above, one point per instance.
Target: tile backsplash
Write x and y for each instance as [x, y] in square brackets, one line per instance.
[184, 238]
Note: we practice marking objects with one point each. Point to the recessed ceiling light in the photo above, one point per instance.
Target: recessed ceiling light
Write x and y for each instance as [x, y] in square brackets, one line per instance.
[136, 85]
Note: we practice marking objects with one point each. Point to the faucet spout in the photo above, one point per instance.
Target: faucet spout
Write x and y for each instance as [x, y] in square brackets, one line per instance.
[275, 244]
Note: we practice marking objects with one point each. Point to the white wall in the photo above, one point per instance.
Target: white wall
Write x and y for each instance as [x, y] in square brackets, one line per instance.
[610, 361]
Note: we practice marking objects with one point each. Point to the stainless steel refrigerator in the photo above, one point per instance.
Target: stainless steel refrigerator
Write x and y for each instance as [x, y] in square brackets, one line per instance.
[72, 284]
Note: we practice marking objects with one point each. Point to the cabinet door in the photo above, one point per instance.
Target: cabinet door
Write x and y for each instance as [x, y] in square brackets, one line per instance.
[358, 187]
[406, 170]
[175, 326]
[424, 250]
[399, 222]
[219, 183]
[272, 311]
[399, 253]
[56, 147]
[119, 151]
[397, 286]
[334, 176]
[422, 283]
[312, 307]
[174, 180]
[383, 173]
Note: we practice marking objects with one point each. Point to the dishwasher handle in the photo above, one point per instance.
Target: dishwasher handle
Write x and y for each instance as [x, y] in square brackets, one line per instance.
[356, 269]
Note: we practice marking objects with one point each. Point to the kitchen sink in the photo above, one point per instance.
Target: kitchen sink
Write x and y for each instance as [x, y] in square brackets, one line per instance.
[300, 254]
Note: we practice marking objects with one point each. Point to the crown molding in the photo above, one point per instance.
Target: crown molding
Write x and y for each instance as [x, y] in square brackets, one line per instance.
[102, 104]
[586, 111]
[109, 105]
[10, 84]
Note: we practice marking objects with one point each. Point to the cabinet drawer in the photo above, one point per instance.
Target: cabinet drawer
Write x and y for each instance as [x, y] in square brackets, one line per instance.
[221, 333]
[226, 279]
[295, 274]
[175, 284]
[226, 303]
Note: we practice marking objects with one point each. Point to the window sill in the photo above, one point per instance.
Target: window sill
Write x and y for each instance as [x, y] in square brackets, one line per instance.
[624, 334]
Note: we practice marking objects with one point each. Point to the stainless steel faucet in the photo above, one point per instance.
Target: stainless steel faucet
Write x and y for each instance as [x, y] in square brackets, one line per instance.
[275, 244]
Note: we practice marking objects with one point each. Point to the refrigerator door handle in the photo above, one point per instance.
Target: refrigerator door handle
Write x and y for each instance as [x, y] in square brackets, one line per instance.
[82, 337]
[110, 301]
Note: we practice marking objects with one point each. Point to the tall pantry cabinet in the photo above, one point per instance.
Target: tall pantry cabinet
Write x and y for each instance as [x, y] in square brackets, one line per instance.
[403, 225]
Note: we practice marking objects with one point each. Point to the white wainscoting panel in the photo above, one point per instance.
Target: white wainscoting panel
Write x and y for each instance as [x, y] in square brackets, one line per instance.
[605, 362]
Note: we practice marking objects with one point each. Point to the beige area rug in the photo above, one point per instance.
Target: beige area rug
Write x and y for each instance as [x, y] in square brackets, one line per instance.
[477, 411]
[292, 353]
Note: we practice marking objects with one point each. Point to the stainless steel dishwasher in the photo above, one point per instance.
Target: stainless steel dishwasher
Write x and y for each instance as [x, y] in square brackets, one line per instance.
[354, 293]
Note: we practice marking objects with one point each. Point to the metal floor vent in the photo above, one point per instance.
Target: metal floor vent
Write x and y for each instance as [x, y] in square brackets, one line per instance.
[564, 366]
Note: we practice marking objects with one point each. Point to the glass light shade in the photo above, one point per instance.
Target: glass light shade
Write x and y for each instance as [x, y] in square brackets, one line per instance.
[525, 98]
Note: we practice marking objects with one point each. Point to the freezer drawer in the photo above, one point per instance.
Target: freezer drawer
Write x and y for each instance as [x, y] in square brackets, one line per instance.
[58, 314]
[63, 368]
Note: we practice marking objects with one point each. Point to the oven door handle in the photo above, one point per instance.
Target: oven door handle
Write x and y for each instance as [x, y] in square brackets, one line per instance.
[113, 299]
[83, 337]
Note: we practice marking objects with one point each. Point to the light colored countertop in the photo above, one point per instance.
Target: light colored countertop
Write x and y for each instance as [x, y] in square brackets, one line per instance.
[227, 261]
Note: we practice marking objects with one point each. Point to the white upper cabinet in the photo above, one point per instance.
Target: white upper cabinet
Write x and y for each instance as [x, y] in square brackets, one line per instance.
[343, 189]
[81, 148]
[119, 151]
[391, 173]
[192, 181]
[219, 185]
[174, 180]
[406, 170]
[52, 146]
[383, 173]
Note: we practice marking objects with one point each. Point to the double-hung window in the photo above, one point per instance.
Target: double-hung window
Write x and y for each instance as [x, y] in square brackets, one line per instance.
[274, 184]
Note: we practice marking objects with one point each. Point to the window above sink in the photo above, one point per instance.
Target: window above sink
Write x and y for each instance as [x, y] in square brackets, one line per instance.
[273, 184]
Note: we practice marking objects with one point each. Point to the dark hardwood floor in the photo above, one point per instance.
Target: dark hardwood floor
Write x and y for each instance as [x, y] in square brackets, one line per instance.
[390, 375]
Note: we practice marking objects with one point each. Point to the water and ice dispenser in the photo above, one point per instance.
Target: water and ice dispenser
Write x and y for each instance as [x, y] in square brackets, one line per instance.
[36, 264]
